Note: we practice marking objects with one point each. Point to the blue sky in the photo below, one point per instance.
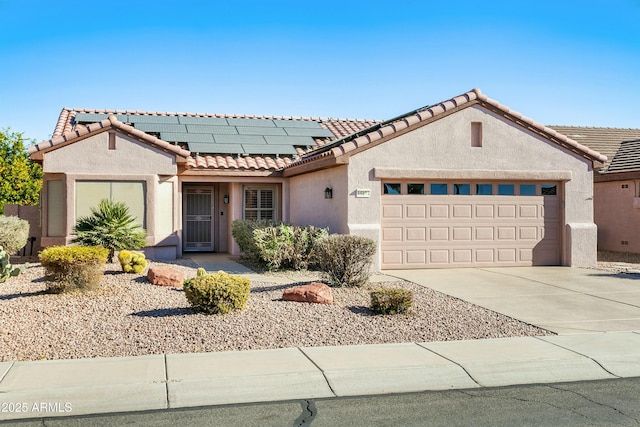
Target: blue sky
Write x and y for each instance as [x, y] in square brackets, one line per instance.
[558, 62]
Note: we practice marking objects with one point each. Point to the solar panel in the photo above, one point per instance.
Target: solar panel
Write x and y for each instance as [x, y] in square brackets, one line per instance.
[251, 122]
[297, 124]
[320, 132]
[290, 140]
[240, 139]
[268, 149]
[218, 130]
[93, 117]
[136, 118]
[211, 121]
[186, 137]
[203, 148]
[161, 127]
[255, 130]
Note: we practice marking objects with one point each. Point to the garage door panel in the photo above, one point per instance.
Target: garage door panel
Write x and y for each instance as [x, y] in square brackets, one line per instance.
[422, 231]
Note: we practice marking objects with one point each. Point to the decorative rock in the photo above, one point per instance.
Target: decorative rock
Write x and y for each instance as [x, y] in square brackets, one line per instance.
[165, 276]
[313, 292]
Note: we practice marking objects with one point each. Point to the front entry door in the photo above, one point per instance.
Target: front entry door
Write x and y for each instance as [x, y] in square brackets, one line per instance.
[198, 219]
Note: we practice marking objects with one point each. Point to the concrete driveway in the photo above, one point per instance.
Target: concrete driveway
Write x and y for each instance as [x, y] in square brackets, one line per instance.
[560, 299]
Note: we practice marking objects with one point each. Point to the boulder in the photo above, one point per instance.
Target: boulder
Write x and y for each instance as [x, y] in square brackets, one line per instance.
[313, 292]
[165, 276]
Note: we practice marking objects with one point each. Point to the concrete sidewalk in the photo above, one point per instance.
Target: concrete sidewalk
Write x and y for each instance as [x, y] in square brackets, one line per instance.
[54, 388]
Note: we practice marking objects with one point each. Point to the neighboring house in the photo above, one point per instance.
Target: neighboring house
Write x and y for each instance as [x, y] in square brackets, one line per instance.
[616, 186]
[466, 182]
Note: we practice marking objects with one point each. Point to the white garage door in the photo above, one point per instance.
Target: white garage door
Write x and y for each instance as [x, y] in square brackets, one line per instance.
[470, 224]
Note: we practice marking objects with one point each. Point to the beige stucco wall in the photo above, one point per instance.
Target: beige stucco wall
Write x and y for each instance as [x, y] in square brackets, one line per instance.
[92, 155]
[308, 205]
[617, 216]
[508, 151]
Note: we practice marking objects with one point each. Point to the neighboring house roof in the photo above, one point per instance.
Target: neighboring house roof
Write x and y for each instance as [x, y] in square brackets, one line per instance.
[627, 158]
[603, 140]
[224, 141]
[337, 152]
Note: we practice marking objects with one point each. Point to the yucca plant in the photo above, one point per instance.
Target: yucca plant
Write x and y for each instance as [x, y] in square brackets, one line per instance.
[111, 226]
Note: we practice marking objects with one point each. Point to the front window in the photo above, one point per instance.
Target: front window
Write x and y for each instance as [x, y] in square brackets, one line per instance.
[131, 193]
[259, 203]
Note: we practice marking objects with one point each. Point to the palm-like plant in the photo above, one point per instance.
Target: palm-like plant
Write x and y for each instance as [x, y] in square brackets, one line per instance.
[111, 226]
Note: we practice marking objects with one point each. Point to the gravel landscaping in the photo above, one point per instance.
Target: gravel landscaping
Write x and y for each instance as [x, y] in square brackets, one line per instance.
[129, 316]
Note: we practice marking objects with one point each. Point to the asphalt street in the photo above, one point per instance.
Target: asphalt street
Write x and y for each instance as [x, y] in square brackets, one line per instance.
[589, 403]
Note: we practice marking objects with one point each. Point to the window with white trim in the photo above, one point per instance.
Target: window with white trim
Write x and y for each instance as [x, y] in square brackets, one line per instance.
[259, 203]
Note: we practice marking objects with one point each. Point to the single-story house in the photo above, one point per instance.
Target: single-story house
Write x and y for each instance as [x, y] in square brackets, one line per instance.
[616, 194]
[464, 182]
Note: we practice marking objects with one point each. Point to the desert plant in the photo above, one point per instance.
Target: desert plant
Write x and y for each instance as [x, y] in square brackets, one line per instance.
[345, 260]
[242, 231]
[70, 268]
[111, 226]
[6, 269]
[391, 300]
[131, 261]
[287, 246]
[201, 272]
[14, 233]
[217, 293]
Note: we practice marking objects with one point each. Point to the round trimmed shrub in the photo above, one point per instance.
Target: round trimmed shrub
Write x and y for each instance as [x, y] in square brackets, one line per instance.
[71, 268]
[14, 233]
[217, 293]
[391, 300]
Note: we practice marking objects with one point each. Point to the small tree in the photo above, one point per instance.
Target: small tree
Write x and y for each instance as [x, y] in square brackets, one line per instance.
[20, 178]
[110, 226]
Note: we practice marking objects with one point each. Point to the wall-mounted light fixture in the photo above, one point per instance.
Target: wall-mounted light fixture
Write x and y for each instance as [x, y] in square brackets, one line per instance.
[225, 199]
[328, 193]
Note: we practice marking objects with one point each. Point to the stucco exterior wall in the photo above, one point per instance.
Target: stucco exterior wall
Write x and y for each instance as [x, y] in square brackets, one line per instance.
[308, 205]
[617, 214]
[92, 155]
[507, 151]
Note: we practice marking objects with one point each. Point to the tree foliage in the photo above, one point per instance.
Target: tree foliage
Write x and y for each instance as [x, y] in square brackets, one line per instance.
[20, 178]
[111, 226]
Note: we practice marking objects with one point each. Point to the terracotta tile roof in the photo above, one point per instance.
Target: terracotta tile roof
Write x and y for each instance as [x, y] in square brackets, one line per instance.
[433, 112]
[339, 127]
[84, 130]
[603, 140]
[627, 158]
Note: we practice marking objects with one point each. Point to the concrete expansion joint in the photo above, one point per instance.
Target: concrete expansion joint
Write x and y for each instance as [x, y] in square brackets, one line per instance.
[454, 362]
[321, 371]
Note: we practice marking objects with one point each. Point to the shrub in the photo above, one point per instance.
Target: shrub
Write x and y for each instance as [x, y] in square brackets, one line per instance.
[111, 226]
[345, 260]
[70, 268]
[391, 300]
[286, 246]
[242, 231]
[132, 262]
[14, 233]
[217, 293]
[6, 269]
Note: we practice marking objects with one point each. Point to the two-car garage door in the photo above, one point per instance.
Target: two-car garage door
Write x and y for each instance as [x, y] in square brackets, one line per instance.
[478, 228]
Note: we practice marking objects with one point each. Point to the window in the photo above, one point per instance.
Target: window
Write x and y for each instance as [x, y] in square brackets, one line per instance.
[259, 203]
[439, 188]
[55, 208]
[484, 189]
[464, 189]
[527, 189]
[549, 189]
[131, 193]
[392, 188]
[506, 189]
[415, 188]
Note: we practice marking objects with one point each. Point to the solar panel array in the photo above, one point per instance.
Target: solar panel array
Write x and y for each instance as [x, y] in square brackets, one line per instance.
[212, 135]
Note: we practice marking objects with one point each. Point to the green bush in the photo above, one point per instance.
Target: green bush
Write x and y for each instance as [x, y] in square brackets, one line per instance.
[70, 268]
[391, 300]
[345, 260]
[132, 262]
[6, 269]
[242, 231]
[286, 246]
[14, 233]
[111, 226]
[217, 293]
